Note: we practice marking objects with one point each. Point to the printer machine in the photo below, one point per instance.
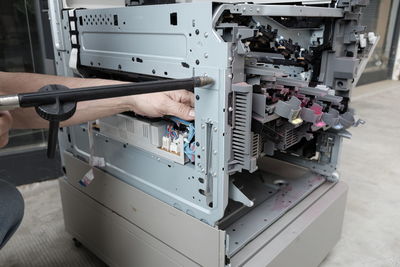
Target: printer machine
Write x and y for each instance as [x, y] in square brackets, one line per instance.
[253, 180]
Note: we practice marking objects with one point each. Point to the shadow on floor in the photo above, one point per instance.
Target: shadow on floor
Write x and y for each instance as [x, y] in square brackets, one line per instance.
[29, 167]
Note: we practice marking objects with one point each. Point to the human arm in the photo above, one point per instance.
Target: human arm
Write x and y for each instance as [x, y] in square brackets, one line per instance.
[176, 103]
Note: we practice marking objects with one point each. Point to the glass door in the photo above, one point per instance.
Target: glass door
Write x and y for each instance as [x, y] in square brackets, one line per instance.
[23, 48]
[381, 17]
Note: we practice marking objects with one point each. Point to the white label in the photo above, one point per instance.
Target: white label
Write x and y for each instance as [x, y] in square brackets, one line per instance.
[97, 162]
[87, 179]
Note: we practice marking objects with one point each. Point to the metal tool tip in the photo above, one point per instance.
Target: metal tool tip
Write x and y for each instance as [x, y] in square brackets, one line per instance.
[204, 80]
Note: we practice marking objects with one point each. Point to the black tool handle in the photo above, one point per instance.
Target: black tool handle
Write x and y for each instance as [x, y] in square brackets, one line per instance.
[52, 138]
[54, 113]
[99, 92]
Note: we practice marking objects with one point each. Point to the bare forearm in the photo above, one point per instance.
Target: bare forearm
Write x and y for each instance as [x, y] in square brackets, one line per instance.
[13, 83]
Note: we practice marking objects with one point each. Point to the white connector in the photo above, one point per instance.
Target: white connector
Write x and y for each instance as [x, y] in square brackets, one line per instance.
[372, 38]
[363, 41]
[166, 143]
[174, 148]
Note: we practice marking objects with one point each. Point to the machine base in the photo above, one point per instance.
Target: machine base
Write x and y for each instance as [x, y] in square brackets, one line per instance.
[131, 228]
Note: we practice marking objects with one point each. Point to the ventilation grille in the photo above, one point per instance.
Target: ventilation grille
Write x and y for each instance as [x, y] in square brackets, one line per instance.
[242, 127]
[290, 138]
[256, 145]
[97, 19]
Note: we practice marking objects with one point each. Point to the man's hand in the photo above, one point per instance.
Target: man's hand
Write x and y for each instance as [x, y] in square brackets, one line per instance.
[5, 126]
[176, 103]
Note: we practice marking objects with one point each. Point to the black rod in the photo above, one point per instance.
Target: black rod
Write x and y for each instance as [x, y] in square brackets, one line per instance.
[52, 139]
[108, 91]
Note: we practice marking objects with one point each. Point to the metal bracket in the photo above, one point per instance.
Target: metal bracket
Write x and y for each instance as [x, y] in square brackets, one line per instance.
[237, 195]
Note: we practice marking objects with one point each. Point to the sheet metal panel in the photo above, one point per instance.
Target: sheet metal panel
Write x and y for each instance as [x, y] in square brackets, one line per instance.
[191, 237]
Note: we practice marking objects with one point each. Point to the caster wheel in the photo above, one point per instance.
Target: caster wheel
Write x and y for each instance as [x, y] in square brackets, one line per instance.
[77, 243]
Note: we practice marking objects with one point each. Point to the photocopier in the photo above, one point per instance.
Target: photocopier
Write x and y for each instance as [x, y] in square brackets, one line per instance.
[253, 180]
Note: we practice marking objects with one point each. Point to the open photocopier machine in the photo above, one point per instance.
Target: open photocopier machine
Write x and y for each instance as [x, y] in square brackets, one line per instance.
[253, 180]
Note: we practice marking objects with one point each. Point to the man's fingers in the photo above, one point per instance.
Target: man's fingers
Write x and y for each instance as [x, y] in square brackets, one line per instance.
[5, 122]
[5, 125]
[179, 110]
[189, 99]
[4, 139]
[183, 96]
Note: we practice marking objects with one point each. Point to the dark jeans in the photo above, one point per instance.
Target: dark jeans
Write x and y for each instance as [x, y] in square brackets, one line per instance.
[11, 211]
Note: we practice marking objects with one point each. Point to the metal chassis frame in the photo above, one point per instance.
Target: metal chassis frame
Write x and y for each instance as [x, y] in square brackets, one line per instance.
[180, 192]
[193, 39]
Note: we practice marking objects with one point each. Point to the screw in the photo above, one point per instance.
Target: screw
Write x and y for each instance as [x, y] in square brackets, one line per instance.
[230, 76]
[230, 58]
[197, 62]
[197, 31]
[206, 34]
[205, 55]
[203, 126]
[230, 109]
[203, 148]
[215, 152]
[215, 129]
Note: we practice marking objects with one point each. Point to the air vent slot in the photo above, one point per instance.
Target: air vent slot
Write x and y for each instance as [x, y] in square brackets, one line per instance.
[242, 137]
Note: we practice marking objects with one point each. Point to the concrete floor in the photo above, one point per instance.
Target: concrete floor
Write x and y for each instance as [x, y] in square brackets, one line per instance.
[41, 240]
[370, 165]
